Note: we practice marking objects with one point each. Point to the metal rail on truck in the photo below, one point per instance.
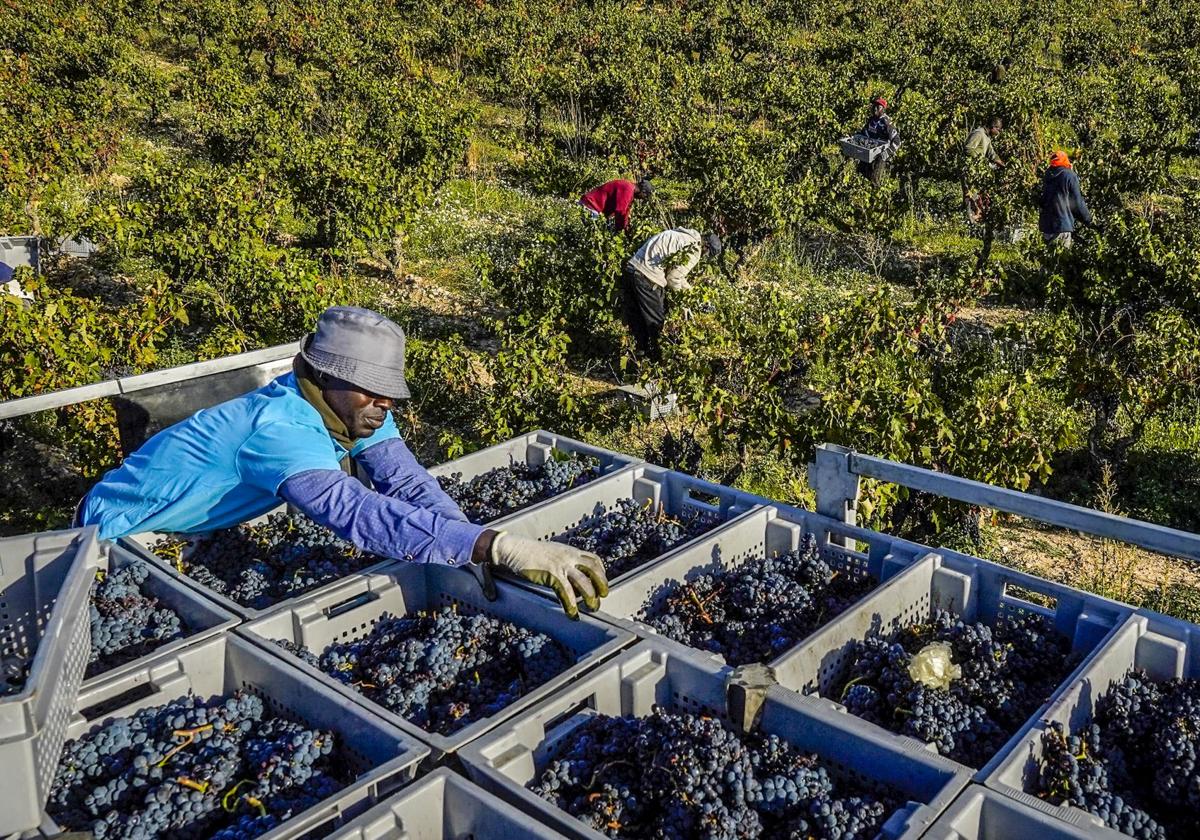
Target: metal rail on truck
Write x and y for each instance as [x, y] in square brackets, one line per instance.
[836, 472]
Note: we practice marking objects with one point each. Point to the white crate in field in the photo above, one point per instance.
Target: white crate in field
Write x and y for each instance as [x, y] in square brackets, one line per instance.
[981, 814]
[675, 493]
[649, 674]
[443, 806]
[534, 449]
[1165, 648]
[974, 589]
[198, 616]
[763, 531]
[142, 546]
[378, 757]
[861, 148]
[45, 640]
[351, 610]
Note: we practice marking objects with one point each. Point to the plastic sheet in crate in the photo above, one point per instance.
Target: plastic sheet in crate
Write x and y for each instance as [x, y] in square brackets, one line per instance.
[762, 532]
[981, 814]
[44, 644]
[443, 806]
[974, 589]
[676, 494]
[533, 449]
[378, 757]
[650, 675]
[1165, 648]
[349, 611]
[142, 545]
[199, 617]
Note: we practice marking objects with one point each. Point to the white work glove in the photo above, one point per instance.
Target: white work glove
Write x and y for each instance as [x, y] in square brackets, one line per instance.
[565, 569]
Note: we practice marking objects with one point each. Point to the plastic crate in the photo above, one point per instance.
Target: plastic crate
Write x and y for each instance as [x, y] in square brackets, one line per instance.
[762, 531]
[860, 148]
[443, 806]
[969, 587]
[352, 609]
[381, 757]
[199, 617]
[533, 449]
[651, 674]
[675, 492]
[44, 584]
[140, 545]
[980, 814]
[1165, 648]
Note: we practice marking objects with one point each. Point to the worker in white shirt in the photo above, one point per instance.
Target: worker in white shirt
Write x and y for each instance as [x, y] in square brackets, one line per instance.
[663, 262]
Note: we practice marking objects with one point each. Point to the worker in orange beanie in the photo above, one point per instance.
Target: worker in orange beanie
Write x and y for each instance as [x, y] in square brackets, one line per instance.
[1062, 203]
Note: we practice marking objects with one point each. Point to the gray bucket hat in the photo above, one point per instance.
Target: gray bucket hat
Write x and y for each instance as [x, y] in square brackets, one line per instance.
[360, 346]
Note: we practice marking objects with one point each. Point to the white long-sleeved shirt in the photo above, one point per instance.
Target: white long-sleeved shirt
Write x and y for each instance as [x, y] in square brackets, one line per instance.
[648, 260]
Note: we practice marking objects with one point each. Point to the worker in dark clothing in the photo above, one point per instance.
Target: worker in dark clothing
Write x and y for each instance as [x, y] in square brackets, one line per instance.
[1062, 203]
[614, 200]
[663, 262]
[879, 127]
[287, 441]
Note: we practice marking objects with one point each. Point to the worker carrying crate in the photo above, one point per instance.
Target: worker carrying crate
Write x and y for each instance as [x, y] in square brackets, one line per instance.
[874, 146]
[288, 441]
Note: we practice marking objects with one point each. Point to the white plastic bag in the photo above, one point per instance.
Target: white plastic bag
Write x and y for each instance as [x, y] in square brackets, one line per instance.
[933, 666]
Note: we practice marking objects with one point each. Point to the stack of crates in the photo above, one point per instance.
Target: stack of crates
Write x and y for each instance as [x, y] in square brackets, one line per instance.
[411, 783]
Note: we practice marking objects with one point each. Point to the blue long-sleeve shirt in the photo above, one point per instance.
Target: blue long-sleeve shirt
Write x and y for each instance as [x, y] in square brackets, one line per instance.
[1062, 202]
[238, 460]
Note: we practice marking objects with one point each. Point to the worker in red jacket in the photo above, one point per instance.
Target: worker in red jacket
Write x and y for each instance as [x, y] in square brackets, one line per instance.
[613, 200]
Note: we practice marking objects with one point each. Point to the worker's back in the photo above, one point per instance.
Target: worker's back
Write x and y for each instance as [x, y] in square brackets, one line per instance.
[1061, 200]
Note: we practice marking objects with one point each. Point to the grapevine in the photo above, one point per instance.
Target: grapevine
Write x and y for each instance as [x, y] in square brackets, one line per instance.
[503, 490]
[442, 670]
[1007, 672]
[679, 775]
[219, 768]
[259, 565]
[753, 612]
[1134, 766]
[125, 622]
[630, 534]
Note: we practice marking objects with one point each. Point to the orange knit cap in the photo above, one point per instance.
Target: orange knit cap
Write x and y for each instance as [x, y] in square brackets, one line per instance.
[1059, 158]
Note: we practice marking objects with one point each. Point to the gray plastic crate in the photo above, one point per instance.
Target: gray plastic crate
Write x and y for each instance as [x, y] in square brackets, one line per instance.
[533, 449]
[1163, 647]
[969, 587]
[199, 617]
[353, 608]
[651, 674]
[675, 492]
[140, 545]
[981, 814]
[860, 148]
[381, 758]
[443, 806]
[44, 584]
[761, 532]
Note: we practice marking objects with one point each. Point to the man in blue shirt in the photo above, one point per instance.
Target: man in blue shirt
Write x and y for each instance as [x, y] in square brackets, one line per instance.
[1062, 203]
[287, 441]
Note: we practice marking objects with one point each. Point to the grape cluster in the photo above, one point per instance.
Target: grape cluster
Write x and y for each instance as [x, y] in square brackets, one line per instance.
[680, 775]
[260, 565]
[1007, 673]
[499, 492]
[630, 534]
[192, 768]
[126, 623]
[442, 670]
[755, 611]
[1135, 765]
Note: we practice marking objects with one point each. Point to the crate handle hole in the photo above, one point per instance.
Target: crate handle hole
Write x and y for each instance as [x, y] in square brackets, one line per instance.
[349, 604]
[1031, 597]
[564, 717]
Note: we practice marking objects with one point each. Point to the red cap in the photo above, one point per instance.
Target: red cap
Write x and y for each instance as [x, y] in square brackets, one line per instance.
[1060, 158]
[879, 100]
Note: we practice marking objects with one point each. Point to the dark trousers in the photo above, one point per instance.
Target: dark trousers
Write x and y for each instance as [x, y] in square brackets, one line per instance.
[876, 170]
[645, 312]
